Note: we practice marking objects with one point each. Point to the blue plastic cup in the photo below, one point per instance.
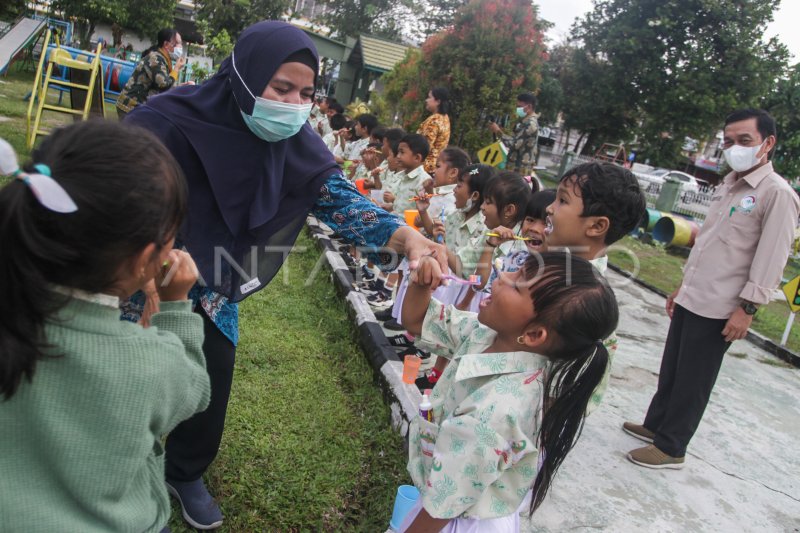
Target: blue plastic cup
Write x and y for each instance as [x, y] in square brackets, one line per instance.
[406, 498]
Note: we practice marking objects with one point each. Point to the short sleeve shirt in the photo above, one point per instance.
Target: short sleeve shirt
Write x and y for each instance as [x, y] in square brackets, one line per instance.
[465, 238]
[409, 184]
[478, 458]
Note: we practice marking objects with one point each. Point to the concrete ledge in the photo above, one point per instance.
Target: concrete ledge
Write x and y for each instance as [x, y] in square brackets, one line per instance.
[387, 369]
[756, 338]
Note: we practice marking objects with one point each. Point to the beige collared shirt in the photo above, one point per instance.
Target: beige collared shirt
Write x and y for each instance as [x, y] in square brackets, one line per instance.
[742, 248]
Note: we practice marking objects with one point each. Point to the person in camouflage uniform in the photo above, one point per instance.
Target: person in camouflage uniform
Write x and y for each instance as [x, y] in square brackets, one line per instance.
[155, 73]
[523, 144]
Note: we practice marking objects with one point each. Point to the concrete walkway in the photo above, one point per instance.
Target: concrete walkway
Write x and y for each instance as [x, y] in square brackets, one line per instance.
[742, 470]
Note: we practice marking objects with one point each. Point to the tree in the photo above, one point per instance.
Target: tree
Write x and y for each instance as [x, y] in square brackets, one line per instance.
[675, 67]
[352, 17]
[233, 16]
[140, 16]
[146, 17]
[783, 103]
[492, 51]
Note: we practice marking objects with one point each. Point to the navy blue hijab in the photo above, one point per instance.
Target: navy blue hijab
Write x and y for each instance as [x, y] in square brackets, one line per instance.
[248, 198]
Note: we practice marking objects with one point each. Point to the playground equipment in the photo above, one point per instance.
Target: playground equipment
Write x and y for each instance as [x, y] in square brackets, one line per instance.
[80, 75]
[676, 231]
[22, 33]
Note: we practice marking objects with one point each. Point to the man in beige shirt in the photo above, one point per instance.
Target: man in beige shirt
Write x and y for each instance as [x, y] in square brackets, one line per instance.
[735, 265]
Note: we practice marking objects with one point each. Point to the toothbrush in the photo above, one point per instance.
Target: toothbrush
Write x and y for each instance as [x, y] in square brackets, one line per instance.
[516, 237]
[474, 279]
[440, 238]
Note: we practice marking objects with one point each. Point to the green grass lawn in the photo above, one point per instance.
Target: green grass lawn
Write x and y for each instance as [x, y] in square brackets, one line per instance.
[308, 444]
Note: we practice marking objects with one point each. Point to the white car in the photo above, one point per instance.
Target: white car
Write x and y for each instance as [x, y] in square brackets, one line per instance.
[655, 178]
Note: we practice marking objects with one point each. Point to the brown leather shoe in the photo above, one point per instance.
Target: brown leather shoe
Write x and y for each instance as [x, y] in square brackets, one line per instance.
[638, 431]
[652, 457]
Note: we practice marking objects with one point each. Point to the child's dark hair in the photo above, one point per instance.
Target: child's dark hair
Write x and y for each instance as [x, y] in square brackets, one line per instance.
[417, 143]
[509, 188]
[577, 307]
[394, 135]
[538, 202]
[455, 157]
[337, 107]
[608, 190]
[351, 129]
[378, 133]
[126, 198]
[337, 122]
[368, 122]
[478, 177]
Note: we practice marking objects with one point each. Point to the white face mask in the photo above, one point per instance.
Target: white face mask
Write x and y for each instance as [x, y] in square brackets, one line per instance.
[273, 121]
[468, 206]
[176, 52]
[742, 158]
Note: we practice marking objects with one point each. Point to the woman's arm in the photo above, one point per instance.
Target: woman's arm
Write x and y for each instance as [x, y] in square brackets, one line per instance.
[362, 223]
[424, 279]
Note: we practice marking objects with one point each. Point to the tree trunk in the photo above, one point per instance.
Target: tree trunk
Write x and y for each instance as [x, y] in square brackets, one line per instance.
[578, 142]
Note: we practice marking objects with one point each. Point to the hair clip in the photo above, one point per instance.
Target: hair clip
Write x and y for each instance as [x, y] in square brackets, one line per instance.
[528, 179]
[46, 190]
[474, 171]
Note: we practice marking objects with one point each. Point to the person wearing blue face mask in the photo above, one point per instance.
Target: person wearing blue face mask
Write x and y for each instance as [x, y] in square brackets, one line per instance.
[523, 143]
[255, 169]
[156, 72]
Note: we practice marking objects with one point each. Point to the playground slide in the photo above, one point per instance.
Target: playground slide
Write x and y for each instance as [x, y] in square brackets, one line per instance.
[16, 39]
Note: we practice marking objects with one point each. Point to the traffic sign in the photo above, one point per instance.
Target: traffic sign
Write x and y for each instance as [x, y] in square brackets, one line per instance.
[792, 292]
[494, 154]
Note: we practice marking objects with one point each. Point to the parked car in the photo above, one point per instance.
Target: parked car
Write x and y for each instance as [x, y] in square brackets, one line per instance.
[652, 181]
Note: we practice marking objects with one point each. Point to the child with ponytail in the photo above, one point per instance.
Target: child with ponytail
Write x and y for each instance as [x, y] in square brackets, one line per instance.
[85, 398]
[492, 440]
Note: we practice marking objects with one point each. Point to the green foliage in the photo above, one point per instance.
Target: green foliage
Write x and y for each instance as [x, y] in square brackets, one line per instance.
[220, 46]
[492, 52]
[784, 104]
[199, 73]
[141, 16]
[352, 17]
[146, 17]
[233, 16]
[11, 9]
[670, 68]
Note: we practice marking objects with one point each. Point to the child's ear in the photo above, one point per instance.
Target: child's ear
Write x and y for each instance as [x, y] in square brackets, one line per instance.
[535, 336]
[510, 212]
[598, 227]
[452, 175]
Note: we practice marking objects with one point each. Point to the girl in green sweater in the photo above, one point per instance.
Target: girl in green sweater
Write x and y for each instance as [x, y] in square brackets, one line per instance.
[84, 397]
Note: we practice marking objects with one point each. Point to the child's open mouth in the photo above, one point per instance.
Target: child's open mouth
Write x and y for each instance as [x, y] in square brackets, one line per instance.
[549, 227]
[486, 300]
[534, 242]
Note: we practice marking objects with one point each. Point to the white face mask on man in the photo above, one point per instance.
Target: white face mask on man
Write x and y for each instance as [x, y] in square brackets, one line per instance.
[742, 158]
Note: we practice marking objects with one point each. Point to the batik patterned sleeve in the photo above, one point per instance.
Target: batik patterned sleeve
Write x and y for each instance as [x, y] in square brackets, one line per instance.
[357, 219]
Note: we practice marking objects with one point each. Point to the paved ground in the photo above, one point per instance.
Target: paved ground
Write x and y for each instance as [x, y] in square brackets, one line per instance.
[743, 466]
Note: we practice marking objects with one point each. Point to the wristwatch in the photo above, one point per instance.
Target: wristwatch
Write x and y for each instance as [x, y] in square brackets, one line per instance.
[749, 308]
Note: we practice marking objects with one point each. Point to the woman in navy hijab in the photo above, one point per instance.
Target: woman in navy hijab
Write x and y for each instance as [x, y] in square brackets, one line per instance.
[255, 170]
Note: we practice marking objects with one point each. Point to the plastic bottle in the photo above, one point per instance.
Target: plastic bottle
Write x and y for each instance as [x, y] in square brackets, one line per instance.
[425, 408]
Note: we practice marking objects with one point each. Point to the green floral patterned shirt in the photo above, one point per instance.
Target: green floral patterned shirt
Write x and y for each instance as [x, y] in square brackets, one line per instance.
[465, 238]
[408, 185]
[479, 456]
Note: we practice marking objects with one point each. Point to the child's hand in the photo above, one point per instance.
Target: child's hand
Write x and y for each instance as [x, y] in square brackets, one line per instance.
[427, 185]
[174, 280]
[388, 197]
[505, 233]
[438, 229]
[423, 203]
[376, 172]
[428, 272]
